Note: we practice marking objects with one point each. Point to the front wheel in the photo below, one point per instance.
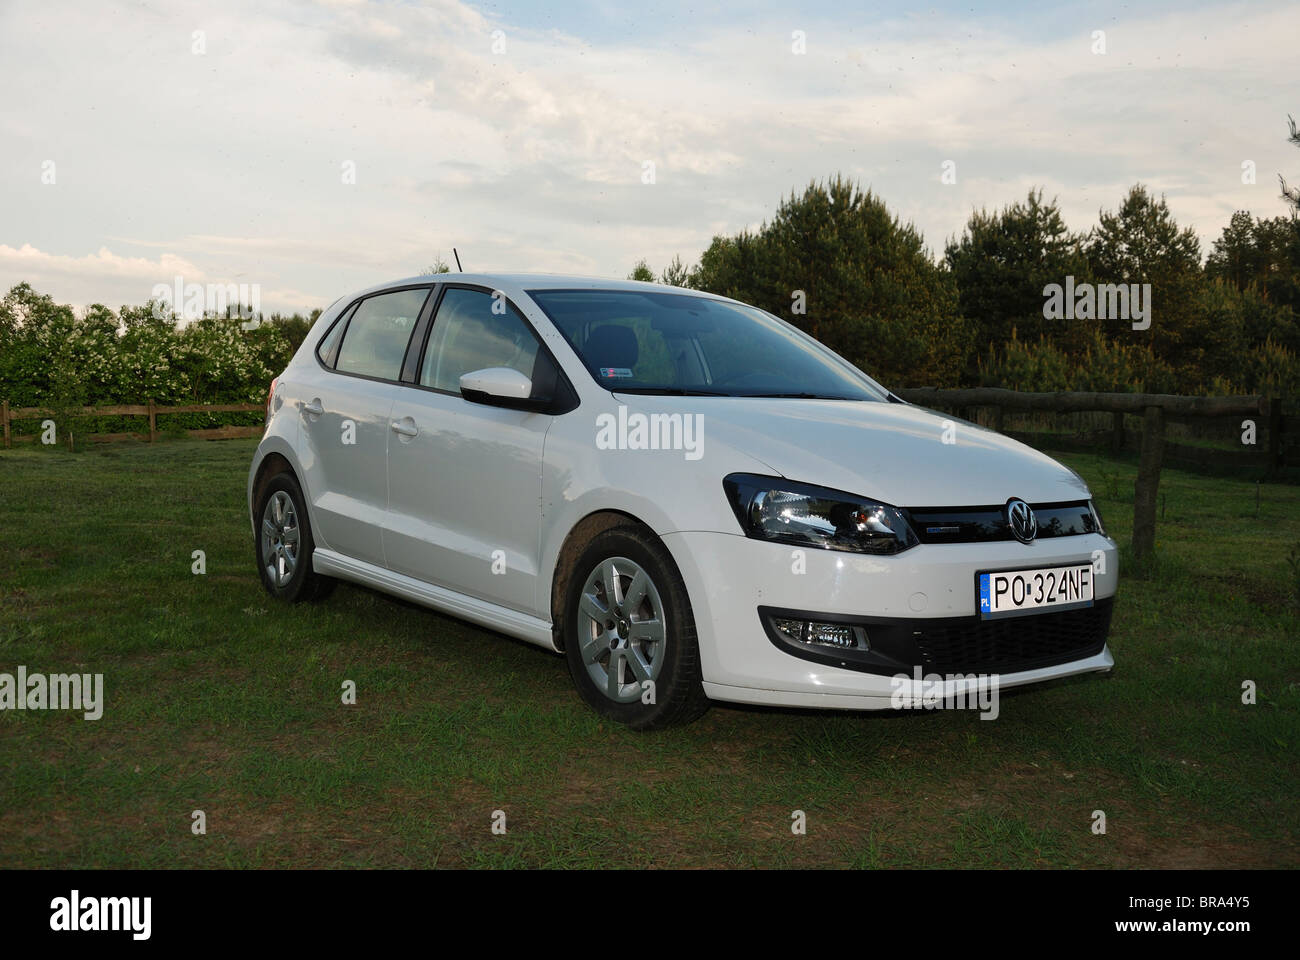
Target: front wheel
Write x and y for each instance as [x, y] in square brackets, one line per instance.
[630, 635]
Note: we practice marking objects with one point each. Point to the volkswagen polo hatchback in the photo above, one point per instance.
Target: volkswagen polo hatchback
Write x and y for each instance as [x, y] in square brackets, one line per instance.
[687, 497]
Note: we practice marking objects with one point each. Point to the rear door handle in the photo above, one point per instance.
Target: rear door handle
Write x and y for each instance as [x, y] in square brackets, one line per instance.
[313, 408]
[405, 427]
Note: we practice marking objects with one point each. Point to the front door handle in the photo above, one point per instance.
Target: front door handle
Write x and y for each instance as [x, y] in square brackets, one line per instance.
[313, 408]
[405, 427]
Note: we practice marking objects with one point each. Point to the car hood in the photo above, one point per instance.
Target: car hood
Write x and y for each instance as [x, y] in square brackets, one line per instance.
[893, 452]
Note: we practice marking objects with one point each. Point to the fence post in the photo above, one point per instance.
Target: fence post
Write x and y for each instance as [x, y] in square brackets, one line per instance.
[4, 418]
[1148, 483]
[153, 422]
[1274, 437]
[1116, 432]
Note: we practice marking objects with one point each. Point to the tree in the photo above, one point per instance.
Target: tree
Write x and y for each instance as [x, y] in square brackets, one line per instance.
[727, 267]
[1291, 194]
[1260, 253]
[642, 272]
[835, 262]
[1141, 243]
[1235, 257]
[439, 265]
[1003, 261]
[676, 274]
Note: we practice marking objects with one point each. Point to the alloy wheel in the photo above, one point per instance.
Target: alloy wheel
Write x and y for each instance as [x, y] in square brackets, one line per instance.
[280, 538]
[621, 628]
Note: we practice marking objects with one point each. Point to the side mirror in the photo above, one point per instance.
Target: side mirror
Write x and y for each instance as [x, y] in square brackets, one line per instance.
[499, 387]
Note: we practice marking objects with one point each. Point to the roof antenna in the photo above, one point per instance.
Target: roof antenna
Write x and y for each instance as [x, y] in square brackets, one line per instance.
[459, 268]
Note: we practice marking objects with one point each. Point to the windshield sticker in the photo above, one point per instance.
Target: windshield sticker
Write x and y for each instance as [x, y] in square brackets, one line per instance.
[620, 373]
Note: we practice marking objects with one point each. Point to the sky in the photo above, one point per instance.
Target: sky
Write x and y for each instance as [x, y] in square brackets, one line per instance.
[315, 148]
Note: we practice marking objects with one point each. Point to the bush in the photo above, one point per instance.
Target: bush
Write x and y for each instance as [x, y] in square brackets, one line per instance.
[49, 357]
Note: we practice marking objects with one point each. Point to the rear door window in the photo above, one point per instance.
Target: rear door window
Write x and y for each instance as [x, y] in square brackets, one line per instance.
[377, 335]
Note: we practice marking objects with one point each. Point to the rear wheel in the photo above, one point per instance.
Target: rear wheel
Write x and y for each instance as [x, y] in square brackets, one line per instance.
[630, 634]
[285, 545]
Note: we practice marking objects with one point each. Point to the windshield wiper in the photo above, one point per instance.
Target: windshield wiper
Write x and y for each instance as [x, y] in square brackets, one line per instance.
[671, 391]
[797, 396]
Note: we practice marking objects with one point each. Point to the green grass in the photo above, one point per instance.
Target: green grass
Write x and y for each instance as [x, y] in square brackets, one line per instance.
[219, 699]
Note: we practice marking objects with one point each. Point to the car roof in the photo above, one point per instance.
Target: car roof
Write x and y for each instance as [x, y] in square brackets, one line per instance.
[543, 281]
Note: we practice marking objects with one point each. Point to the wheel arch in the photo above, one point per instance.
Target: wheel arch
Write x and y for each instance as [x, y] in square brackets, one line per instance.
[579, 536]
[272, 465]
[275, 458]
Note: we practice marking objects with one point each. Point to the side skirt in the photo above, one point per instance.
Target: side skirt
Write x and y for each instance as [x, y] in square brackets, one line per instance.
[481, 612]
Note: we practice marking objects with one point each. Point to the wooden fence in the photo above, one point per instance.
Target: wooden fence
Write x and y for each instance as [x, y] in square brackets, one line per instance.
[149, 410]
[1155, 409]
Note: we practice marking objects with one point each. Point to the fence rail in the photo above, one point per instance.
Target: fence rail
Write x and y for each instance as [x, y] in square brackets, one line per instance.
[1072, 402]
[150, 410]
[1154, 408]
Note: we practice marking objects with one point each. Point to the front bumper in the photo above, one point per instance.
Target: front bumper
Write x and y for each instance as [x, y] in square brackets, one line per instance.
[730, 577]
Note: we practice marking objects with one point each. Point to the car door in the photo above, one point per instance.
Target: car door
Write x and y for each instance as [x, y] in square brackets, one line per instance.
[464, 478]
[346, 401]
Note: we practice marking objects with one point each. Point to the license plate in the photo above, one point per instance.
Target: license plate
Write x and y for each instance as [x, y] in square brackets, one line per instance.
[1005, 593]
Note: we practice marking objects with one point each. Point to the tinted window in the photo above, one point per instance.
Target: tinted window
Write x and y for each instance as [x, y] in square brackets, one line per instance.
[474, 330]
[325, 348]
[375, 340]
[649, 342]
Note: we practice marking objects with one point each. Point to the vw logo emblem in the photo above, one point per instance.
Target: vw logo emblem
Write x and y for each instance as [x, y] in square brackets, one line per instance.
[1021, 520]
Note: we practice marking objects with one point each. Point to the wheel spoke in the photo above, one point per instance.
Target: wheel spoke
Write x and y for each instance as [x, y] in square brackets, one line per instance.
[636, 592]
[637, 663]
[615, 675]
[651, 631]
[613, 586]
[268, 528]
[593, 647]
[290, 535]
[589, 605]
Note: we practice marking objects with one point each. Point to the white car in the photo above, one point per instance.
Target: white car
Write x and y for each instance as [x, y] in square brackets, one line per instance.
[686, 496]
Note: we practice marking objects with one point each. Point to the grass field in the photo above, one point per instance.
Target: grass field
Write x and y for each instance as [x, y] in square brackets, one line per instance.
[218, 699]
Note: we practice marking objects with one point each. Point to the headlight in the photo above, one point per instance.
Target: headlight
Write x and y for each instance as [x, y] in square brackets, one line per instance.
[770, 508]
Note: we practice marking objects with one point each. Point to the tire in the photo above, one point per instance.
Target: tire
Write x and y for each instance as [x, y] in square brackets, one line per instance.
[284, 544]
[613, 649]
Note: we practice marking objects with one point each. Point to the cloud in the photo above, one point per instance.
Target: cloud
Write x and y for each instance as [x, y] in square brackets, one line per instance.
[101, 277]
[531, 158]
[101, 265]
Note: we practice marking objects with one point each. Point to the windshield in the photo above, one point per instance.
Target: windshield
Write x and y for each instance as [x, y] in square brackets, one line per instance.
[676, 343]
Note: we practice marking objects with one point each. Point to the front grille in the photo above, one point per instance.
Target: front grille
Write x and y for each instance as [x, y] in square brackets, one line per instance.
[1009, 645]
[989, 523]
